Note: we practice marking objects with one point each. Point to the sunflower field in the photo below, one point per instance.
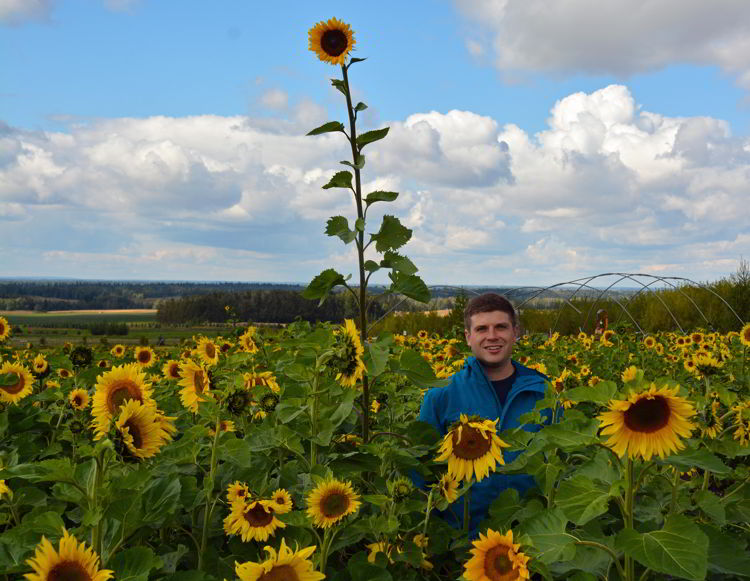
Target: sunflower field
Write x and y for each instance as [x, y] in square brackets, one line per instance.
[242, 457]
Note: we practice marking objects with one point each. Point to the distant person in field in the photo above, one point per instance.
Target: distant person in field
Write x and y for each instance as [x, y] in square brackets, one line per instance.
[490, 385]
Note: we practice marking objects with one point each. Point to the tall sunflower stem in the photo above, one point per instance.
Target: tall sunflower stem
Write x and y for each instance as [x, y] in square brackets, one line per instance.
[675, 486]
[328, 536]
[427, 512]
[629, 494]
[99, 469]
[706, 479]
[467, 506]
[209, 500]
[314, 419]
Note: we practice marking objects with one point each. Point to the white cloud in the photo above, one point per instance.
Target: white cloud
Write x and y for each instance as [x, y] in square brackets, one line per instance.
[274, 99]
[14, 12]
[619, 37]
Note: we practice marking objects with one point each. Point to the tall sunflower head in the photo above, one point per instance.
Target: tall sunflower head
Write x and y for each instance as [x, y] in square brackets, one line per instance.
[195, 384]
[495, 556]
[648, 423]
[16, 382]
[331, 40]
[253, 520]
[472, 448]
[330, 501]
[247, 341]
[347, 362]
[286, 564]
[72, 561]
[142, 430]
[113, 389]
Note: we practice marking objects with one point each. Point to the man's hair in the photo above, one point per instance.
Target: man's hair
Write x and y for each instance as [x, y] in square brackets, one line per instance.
[487, 303]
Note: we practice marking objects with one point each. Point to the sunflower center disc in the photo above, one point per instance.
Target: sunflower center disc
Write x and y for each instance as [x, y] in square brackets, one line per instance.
[280, 573]
[198, 381]
[334, 42]
[258, 516]
[119, 393]
[144, 357]
[334, 504]
[135, 433]
[648, 415]
[472, 444]
[68, 571]
[497, 565]
[210, 350]
[16, 387]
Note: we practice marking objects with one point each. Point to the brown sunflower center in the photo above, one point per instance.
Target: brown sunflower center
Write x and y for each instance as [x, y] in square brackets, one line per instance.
[280, 573]
[210, 350]
[120, 392]
[174, 370]
[199, 381]
[135, 432]
[334, 42]
[258, 516]
[144, 356]
[648, 415]
[78, 401]
[472, 444]
[498, 566]
[334, 504]
[14, 387]
[68, 571]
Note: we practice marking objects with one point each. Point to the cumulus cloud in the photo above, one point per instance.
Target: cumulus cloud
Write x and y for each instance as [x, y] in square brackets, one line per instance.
[619, 37]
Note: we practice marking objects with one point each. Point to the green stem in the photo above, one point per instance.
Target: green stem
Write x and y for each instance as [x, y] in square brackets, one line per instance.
[427, 513]
[209, 492]
[742, 484]
[467, 516]
[96, 533]
[606, 549]
[314, 423]
[706, 479]
[629, 494]
[328, 537]
[675, 484]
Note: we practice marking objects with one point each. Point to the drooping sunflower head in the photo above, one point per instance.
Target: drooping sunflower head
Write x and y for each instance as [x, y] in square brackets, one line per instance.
[648, 423]
[269, 402]
[261, 379]
[247, 341]
[208, 351]
[79, 399]
[330, 501]
[196, 384]
[114, 388]
[171, 369]
[347, 362]
[472, 448]
[144, 356]
[16, 382]
[332, 41]
[253, 520]
[286, 565]
[496, 557]
[142, 430]
[4, 329]
[73, 561]
[630, 374]
[81, 356]
[448, 488]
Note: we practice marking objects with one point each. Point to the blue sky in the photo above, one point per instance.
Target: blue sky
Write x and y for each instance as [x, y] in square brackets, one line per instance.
[531, 144]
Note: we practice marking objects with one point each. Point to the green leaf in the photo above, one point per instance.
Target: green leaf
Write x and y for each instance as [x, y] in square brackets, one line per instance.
[679, 549]
[392, 234]
[340, 85]
[359, 164]
[601, 393]
[134, 564]
[581, 499]
[700, 458]
[395, 261]
[371, 266]
[414, 367]
[322, 284]
[727, 554]
[409, 285]
[360, 568]
[504, 508]
[371, 136]
[237, 452]
[711, 504]
[356, 60]
[376, 359]
[161, 499]
[550, 541]
[339, 226]
[327, 128]
[360, 106]
[380, 196]
[359, 225]
[341, 179]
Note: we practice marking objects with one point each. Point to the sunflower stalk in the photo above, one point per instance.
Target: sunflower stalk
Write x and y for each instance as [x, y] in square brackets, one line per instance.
[467, 506]
[209, 500]
[629, 496]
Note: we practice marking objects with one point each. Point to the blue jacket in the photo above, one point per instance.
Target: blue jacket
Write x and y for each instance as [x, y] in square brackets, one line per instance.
[470, 392]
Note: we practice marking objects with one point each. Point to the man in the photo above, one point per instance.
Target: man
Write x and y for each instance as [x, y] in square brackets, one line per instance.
[490, 385]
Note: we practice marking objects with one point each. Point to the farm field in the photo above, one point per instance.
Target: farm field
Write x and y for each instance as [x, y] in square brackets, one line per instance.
[175, 462]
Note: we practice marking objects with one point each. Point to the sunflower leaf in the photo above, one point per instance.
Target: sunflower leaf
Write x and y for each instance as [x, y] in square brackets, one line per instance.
[356, 60]
[582, 499]
[395, 261]
[700, 458]
[392, 234]
[550, 542]
[359, 165]
[409, 285]
[726, 553]
[134, 564]
[380, 196]
[371, 136]
[339, 226]
[371, 266]
[360, 106]
[327, 128]
[322, 284]
[679, 549]
[340, 85]
[341, 179]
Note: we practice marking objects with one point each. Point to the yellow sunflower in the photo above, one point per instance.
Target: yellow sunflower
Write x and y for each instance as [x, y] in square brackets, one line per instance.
[281, 501]
[118, 351]
[472, 447]
[63, 373]
[262, 379]
[39, 365]
[195, 384]
[4, 329]
[332, 41]
[348, 362]
[649, 342]
[207, 351]
[114, 388]
[247, 341]
[142, 429]
[238, 491]
[144, 356]
[5, 489]
[647, 423]
[171, 369]
[745, 335]
[630, 374]
[73, 561]
[284, 565]
[495, 557]
[79, 399]
[330, 501]
[18, 382]
[448, 487]
[254, 520]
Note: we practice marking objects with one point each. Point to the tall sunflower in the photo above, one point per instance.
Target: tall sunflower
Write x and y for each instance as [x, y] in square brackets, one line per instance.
[331, 501]
[647, 423]
[331, 40]
[496, 557]
[348, 363]
[207, 351]
[4, 329]
[284, 565]
[144, 356]
[114, 388]
[18, 382]
[73, 561]
[195, 384]
[79, 399]
[253, 520]
[472, 448]
[142, 430]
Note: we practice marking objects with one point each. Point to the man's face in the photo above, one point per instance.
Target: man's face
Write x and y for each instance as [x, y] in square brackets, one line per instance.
[491, 338]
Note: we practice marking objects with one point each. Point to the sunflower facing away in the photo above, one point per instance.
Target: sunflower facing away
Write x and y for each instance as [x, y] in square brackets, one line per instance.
[195, 384]
[207, 351]
[332, 41]
[286, 565]
[142, 429]
[254, 520]
[348, 361]
[73, 561]
[496, 558]
[114, 388]
[472, 447]
[330, 501]
[144, 356]
[79, 399]
[647, 423]
[18, 382]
